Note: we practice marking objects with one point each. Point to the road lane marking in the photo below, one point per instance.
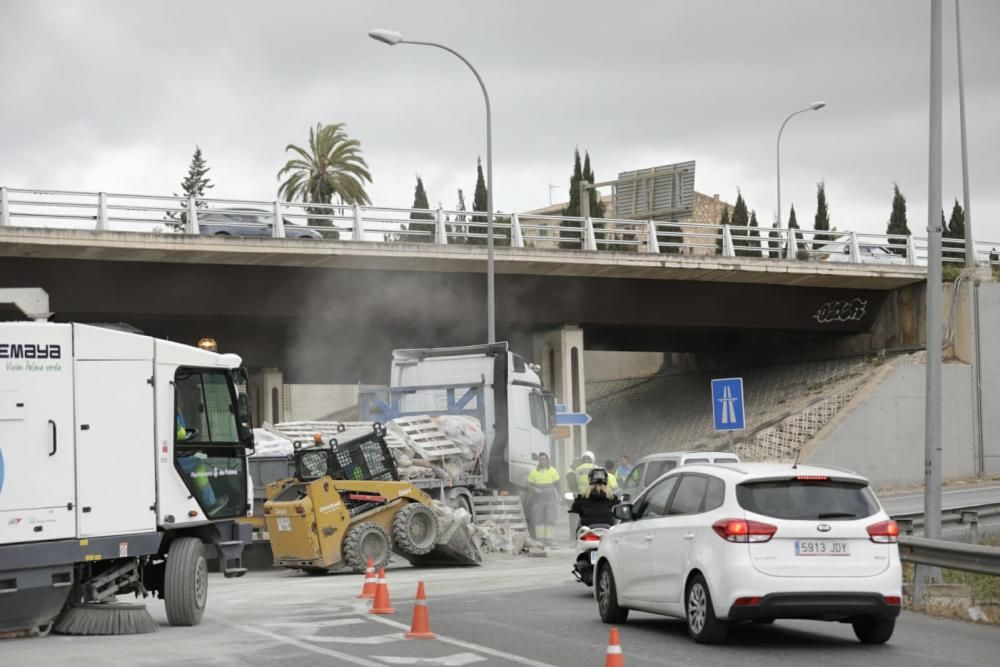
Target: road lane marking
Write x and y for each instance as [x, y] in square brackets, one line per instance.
[469, 645]
[456, 660]
[370, 641]
[346, 657]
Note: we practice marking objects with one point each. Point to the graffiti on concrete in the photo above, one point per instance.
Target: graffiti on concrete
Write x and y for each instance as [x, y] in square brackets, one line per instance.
[841, 311]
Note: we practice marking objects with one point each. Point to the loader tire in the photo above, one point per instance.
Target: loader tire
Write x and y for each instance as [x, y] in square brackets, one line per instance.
[185, 581]
[415, 530]
[364, 541]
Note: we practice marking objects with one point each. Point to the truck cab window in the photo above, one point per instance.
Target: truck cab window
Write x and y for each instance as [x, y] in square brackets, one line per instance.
[208, 449]
[539, 416]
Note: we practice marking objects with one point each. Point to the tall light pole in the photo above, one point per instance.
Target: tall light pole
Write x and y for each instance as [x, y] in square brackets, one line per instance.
[970, 244]
[815, 106]
[392, 38]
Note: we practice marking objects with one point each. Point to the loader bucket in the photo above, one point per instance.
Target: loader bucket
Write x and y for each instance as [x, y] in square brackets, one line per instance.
[455, 546]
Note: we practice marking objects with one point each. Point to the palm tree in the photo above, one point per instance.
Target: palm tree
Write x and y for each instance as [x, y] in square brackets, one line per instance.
[332, 166]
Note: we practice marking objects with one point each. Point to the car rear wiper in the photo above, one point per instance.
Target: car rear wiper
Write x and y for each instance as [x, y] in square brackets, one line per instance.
[837, 515]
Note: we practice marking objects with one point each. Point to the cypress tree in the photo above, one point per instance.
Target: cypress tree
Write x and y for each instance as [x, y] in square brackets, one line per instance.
[428, 228]
[754, 233]
[739, 222]
[194, 184]
[793, 223]
[955, 229]
[821, 222]
[774, 241]
[478, 204]
[897, 220]
[571, 232]
[724, 221]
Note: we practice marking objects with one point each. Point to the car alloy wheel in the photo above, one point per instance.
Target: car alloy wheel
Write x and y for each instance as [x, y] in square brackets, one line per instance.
[697, 607]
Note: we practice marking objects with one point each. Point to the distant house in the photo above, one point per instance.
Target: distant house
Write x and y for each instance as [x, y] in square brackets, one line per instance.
[707, 210]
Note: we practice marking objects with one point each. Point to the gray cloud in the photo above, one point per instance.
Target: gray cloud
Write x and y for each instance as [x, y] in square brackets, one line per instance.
[114, 95]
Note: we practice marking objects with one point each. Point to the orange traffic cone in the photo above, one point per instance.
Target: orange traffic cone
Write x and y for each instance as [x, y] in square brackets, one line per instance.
[614, 657]
[382, 604]
[420, 628]
[368, 590]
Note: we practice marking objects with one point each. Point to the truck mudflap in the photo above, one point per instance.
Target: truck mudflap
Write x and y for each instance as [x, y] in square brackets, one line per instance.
[456, 544]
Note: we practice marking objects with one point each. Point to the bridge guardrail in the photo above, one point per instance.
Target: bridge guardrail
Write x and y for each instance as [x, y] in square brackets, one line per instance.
[20, 207]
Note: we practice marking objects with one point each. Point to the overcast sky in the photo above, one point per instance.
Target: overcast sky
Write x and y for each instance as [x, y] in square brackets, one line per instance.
[114, 96]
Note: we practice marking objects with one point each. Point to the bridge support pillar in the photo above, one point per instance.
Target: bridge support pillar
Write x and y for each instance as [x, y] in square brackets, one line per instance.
[560, 354]
[267, 390]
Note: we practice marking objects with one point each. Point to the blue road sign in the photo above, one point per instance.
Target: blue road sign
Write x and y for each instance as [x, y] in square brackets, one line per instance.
[566, 418]
[727, 404]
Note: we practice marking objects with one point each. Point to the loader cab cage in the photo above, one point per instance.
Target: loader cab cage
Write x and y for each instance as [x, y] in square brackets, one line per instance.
[358, 454]
[212, 435]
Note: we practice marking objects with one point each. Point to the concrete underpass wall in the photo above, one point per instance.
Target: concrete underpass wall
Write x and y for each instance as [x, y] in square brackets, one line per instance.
[881, 434]
[989, 348]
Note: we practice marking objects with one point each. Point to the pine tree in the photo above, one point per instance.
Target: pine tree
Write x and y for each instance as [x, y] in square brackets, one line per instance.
[897, 220]
[427, 228]
[478, 204]
[194, 184]
[821, 223]
[571, 233]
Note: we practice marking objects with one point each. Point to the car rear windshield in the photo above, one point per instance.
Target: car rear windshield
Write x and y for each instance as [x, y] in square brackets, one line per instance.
[807, 499]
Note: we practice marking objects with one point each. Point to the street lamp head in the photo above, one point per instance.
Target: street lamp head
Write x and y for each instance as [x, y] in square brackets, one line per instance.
[390, 37]
[815, 106]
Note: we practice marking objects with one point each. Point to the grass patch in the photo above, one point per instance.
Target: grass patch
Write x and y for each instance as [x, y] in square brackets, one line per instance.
[985, 589]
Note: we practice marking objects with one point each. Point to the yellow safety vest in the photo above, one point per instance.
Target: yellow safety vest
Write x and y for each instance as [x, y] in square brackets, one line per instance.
[582, 471]
[541, 477]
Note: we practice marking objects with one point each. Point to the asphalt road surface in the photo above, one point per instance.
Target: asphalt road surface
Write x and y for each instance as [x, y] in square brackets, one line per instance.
[514, 611]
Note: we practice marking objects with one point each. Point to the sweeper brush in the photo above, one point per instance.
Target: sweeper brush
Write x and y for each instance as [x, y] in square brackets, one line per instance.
[105, 618]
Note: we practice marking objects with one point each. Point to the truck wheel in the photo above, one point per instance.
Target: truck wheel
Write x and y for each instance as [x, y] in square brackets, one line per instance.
[364, 541]
[186, 581]
[415, 529]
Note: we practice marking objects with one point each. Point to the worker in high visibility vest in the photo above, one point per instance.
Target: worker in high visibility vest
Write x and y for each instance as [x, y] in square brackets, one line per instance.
[544, 483]
[586, 463]
[194, 465]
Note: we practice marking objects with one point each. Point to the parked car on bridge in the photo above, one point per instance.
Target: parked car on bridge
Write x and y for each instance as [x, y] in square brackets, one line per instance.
[720, 544]
[249, 222]
[649, 468]
[870, 253]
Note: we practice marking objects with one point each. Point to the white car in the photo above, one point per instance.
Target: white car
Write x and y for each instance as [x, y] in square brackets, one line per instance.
[870, 253]
[718, 544]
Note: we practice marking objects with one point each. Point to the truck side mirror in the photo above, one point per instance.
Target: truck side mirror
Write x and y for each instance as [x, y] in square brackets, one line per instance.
[623, 512]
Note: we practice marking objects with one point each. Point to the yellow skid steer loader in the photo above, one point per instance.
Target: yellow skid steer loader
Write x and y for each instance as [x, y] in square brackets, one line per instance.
[346, 505]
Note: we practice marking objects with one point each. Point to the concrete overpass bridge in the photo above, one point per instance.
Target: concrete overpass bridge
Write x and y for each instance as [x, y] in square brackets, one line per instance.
[332, 309]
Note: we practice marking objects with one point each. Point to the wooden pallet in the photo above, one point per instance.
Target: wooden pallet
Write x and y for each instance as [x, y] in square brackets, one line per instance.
[501, 510]
[303, 431]
[427, 438]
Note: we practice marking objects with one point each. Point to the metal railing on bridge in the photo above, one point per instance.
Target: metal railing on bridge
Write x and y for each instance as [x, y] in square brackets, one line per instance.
[160, 214]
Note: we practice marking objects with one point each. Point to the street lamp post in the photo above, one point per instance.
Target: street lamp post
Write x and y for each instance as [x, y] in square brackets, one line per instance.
[815, 106]
[392, 38]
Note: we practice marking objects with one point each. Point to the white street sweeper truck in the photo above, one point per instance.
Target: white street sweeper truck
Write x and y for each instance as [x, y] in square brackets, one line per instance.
[121, 458]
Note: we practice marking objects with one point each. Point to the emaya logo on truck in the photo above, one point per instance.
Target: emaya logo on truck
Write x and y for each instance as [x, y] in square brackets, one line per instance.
[30, 351]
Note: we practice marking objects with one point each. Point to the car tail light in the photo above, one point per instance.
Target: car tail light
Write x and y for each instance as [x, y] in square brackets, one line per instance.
[740, 530]
[893, 600]
[812, 478]
[884, 532]
[746, 602]
[590, 537]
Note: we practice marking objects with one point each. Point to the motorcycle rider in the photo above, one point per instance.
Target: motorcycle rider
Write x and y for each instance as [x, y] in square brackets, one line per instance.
[594, 505]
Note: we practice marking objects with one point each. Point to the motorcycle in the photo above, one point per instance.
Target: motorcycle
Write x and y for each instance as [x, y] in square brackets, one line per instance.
[588, 538]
